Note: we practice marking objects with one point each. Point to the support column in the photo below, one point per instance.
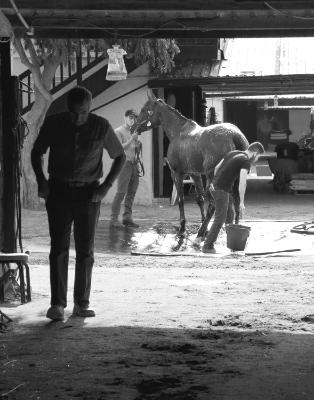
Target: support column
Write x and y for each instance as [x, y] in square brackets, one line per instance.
[8, 109]
[1, 154]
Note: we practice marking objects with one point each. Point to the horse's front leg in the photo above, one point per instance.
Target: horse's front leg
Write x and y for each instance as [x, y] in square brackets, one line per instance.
[199, 193]
[178, 181]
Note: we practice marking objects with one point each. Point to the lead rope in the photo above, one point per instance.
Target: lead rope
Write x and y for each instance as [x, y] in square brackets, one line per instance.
[139, 160]
[139, 151]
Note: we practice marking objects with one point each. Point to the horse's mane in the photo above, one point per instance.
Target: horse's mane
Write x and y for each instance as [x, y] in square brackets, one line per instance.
[175, 111]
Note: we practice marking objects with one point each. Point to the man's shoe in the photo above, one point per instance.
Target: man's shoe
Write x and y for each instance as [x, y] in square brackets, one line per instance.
[210, 250]
[56, 313]
[116, 225]
[82, 312]
[130, 224]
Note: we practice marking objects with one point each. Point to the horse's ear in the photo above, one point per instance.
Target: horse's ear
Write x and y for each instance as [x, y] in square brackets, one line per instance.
[151, 96]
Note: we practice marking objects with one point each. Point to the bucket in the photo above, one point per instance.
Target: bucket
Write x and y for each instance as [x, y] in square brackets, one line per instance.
[237, 236]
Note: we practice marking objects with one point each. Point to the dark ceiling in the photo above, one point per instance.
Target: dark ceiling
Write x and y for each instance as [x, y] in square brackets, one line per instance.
[162, 18]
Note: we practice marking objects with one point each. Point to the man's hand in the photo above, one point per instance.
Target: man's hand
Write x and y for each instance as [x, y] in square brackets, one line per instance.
[135, 136]
[100, 192]
[43, 189]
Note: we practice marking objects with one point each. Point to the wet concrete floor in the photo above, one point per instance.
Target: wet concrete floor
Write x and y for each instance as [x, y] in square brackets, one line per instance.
[121, 241]
[270, 216]
[162, 239]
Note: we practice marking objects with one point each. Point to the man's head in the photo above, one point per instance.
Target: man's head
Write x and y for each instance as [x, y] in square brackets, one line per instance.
[254, 150]
[79, 101]
[130, 117]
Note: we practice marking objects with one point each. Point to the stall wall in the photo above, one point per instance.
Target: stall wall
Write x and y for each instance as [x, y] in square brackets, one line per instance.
[299, 123]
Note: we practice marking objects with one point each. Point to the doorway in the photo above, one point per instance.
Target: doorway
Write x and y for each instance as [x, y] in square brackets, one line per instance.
[243, 114]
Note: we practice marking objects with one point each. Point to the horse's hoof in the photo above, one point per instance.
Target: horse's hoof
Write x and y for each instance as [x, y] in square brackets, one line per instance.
[175, 248]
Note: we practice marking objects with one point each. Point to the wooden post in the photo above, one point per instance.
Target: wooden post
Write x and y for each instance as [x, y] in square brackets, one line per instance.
[9, 111]
[1, 146]
[312, 122]
[79, 66]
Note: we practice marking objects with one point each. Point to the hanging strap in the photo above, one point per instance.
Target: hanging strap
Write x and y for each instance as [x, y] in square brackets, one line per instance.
[139, 160]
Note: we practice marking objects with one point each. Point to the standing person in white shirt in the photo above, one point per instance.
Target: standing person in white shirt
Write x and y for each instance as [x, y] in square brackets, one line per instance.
[128, 179]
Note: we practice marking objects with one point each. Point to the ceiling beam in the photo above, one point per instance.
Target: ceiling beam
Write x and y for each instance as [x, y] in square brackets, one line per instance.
[163, 18]
[244, 86]
[279, 5]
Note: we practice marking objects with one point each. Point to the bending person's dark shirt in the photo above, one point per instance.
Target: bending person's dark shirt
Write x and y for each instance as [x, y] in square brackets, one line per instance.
[230, 169]
[75, 152]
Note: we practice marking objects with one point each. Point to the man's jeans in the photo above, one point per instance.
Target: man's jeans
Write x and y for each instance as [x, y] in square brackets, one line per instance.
[127, 185]
[223, 214]
[66, 205]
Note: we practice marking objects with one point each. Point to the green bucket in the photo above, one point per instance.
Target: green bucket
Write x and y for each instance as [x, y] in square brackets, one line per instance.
[237, 236]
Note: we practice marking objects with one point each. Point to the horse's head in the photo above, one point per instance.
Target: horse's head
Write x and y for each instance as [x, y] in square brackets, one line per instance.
[148, 116]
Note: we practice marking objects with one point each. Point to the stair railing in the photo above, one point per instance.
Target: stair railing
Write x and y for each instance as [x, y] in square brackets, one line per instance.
[65, 74]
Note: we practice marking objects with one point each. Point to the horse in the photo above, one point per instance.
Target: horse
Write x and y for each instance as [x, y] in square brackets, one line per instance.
[193, 150]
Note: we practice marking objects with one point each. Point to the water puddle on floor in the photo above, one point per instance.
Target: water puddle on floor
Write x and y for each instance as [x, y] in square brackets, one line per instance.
[163, 239]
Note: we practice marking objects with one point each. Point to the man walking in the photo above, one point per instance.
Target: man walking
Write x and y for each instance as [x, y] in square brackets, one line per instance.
[236, 164]
[128, 179]
[76, 140]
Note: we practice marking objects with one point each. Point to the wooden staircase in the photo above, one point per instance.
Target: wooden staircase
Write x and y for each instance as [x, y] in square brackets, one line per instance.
[88, 70]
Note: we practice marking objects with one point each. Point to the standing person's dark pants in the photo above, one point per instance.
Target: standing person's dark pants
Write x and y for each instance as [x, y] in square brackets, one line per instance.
[223, 214]
[128, 181]
[67, 204]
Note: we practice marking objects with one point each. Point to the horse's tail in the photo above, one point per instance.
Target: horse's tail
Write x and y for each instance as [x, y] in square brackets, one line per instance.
[240, 141]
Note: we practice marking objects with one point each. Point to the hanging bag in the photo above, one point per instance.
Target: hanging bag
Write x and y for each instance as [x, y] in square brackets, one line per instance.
[116, 70]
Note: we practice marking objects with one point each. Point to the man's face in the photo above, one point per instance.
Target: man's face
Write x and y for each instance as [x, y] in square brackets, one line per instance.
[130, 120]
[79, 113]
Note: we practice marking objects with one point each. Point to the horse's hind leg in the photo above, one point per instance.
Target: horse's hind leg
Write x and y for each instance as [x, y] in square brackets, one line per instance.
[209, 213]
[178, 181]
[199, 193]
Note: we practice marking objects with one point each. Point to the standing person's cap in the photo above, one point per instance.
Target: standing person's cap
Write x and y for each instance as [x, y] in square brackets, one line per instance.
[131, 113]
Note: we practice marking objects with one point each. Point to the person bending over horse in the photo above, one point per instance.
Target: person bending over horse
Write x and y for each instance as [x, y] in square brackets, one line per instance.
[235, 165]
